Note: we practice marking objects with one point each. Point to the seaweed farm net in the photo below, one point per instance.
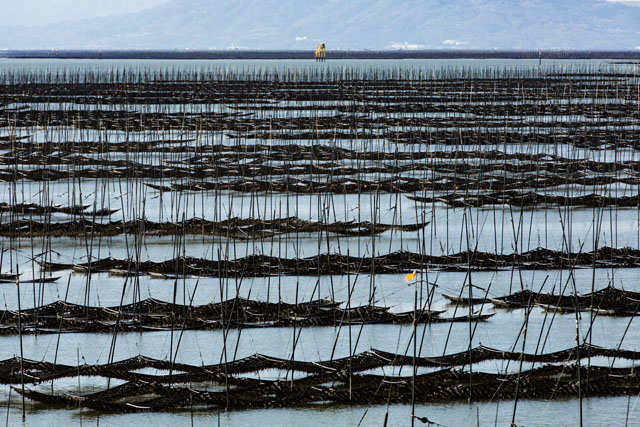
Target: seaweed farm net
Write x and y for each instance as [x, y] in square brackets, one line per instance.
[327, 235]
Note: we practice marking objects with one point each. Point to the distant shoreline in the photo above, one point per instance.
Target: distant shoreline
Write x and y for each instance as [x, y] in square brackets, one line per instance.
[331, 54]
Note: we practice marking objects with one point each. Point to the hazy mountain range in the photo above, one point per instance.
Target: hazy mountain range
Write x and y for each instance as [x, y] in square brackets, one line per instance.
[347, 24]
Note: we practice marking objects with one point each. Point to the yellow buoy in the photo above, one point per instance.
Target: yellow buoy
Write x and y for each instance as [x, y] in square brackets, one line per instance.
[410, 276]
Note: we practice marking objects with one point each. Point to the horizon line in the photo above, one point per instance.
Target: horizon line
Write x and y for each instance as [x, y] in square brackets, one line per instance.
[187, 53]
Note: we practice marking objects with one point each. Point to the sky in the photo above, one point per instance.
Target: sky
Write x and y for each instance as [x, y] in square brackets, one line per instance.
[42, 12]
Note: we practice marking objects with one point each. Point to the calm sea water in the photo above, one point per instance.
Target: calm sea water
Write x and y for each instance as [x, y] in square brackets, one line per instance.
[491, 230]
